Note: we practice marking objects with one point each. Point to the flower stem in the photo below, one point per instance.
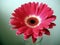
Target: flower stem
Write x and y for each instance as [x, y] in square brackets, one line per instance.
[39, 42]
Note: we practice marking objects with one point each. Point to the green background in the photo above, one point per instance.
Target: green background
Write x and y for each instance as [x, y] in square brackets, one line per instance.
[8, 36]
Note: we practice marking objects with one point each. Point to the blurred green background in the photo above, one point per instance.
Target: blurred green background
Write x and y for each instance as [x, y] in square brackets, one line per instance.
[8, 36]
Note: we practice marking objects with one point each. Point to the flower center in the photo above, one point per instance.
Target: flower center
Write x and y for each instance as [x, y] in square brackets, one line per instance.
[32, 21]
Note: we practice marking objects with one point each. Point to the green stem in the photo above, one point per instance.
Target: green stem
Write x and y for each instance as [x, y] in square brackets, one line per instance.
[39, 42]
[25, 42]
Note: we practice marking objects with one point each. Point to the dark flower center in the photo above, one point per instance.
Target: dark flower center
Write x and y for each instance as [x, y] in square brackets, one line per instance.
[32, 21]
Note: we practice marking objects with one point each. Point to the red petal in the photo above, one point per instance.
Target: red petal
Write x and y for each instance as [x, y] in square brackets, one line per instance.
[25, 8]
[44, 10]
[46, 31]
[34, 39]
[27, 33]
[51, 25]
[15, 24]
[40, 33]
[45, 25]
[17, 11]
[35, 33]
[21, 30]
[49, 13]
[26, 36]
[49, 20]
[40, 8]
[33, 7]
[36, 8]
[52, 18]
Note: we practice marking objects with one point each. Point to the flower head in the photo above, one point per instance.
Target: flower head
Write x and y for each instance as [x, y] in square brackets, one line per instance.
[33, 19]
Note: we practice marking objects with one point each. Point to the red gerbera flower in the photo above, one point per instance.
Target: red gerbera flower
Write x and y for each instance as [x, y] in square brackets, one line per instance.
[33, 19]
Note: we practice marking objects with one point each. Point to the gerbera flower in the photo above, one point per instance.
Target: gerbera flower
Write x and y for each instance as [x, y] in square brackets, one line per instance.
[33, 19]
